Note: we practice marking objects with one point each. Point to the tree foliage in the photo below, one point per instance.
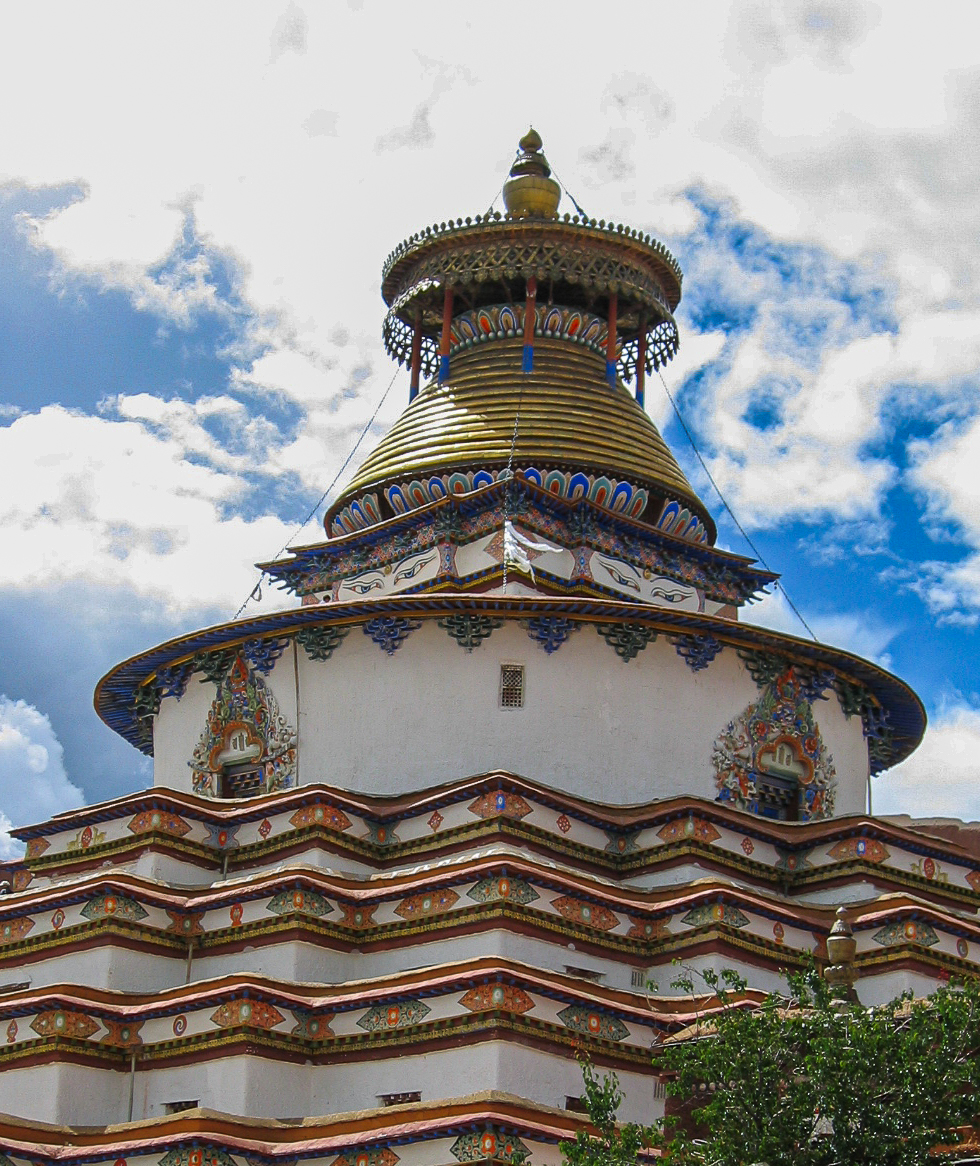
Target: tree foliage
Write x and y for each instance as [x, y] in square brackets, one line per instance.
[612, 1144]
[804, 1080]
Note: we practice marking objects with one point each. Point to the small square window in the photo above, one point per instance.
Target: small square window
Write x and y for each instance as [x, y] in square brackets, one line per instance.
[511, 686]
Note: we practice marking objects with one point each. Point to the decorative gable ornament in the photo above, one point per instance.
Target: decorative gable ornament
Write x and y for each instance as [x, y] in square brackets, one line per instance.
[247, 746]
[771, 759]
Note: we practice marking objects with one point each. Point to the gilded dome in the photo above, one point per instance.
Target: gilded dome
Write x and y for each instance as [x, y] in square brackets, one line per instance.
[562, 416]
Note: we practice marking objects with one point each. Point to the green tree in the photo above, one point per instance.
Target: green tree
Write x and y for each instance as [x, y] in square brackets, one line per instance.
[806, 1080]
[612, 1144]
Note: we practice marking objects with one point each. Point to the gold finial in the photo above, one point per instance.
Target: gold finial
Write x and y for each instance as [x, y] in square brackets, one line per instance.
[840, 972]
[530, 189]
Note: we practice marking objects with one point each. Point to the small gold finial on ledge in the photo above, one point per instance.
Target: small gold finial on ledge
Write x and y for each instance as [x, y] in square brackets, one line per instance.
[840, 972]
[530, 190]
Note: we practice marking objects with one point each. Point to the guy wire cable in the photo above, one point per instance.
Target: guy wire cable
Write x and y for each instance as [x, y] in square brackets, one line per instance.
[324, 495]
[755, 550]
[569, 193]
[510, 472]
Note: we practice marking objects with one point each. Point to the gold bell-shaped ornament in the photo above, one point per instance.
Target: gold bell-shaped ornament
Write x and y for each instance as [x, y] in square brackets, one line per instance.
[530, 191]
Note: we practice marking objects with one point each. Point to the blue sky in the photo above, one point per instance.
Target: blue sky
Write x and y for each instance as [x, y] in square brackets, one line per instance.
[194, 210]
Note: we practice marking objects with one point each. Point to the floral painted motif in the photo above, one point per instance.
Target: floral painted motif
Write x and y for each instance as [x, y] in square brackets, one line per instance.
[680, 829]
[776, 738]
[222, 836]
[778, 932]
[13, 929]
[588, 914]
[381, 834]
[186, 922]
[320, 814]
[60, 1022]
[390, 632]
[708, 913]
[928, 868]
[490, 1142]
[399, 1014]
[86, 837]
[36, 847]
[500, 804]
[123, 1034]
[265, 828]
[379, 1156]
[12, 1031]
[748, 846]
[909, 931]
[492, 890]
[426, 903]
[244, 723]
[58, 919]
[973, 878]
[253, 1013]
[563, 823]
[792, 860]
[621, 843]
[962, 948]
[868, 849]
[490, 997]
[180, 1025]
[22, 880]
[627, 640]
[301, 901]
[110, 906]
[312, 1025]
[235, 913]
[598, 1024]
[195, 1155]
[358, 915]
[648, 928]
[435, 820]
[160, 822]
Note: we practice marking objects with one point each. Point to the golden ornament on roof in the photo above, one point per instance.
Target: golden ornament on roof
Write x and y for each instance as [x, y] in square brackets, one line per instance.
[530, 190]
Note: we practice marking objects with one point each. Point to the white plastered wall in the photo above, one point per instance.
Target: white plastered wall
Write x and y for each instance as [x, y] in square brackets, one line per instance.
[592, 725]
[259, 1087]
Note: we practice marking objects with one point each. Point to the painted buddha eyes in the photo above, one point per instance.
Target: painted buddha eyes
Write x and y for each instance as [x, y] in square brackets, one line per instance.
[375, 580]
[363, 586]
[659, 590]
[413, 569]
[668, 596]
[618, 577]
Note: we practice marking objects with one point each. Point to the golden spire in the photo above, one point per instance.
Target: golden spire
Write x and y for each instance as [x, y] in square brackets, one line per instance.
[531, 190]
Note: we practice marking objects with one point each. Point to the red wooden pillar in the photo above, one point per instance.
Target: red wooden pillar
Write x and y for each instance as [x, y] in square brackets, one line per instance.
[413, 388]
[530, 311]
[447, 320]
[611, 342]
[641, 361]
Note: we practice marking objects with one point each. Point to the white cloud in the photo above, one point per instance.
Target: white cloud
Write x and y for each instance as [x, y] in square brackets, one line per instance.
[89, 499]
[941, 777]
[944, 472]
[33, 782]
[861, 633]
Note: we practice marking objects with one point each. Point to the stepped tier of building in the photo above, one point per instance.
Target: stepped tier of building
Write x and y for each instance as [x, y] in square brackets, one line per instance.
[365, 948]
[445, 822]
